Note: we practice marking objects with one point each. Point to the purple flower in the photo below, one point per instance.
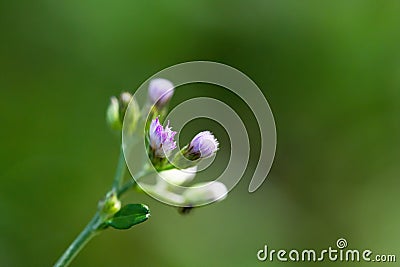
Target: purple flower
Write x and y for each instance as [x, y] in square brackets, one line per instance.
[161, 140]
[203, 145]
[160, 91]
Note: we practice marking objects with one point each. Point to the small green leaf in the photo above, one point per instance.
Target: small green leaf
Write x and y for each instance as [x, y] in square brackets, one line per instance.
[129, 216]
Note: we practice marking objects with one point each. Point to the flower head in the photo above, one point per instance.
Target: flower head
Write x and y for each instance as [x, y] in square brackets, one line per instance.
[203, 145]
[160, 91]
[161, 140]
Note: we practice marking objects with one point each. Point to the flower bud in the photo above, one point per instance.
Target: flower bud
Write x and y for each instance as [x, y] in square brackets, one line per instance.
[129, 111]
[124, 100]
[161, 140]
[203, 145]
[110, 205]
[205, 193]
[113, 114]
[117, 110]
[160, 92]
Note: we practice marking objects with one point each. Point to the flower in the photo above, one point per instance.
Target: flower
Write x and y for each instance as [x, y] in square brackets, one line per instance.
[160, 91]
[161, 140]
[203, 145]
[205, 193]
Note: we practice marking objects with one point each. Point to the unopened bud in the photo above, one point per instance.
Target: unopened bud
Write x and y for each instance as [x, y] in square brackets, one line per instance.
[160, 92]
[113, 119]
[110, 205]
[125, 105]
[203, 145]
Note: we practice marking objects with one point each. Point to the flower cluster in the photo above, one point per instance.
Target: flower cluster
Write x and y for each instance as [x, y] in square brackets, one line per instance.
[124, 114]
[181, 170]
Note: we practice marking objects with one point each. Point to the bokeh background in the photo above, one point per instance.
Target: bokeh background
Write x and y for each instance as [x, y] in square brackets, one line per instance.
[329, 69]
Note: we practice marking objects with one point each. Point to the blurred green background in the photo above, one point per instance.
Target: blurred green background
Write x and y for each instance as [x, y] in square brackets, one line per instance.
[329, 69]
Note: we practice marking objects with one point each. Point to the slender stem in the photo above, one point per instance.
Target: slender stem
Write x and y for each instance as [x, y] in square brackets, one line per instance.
[81, 240]
[120, 172]
[132, 182]
[128, 185]
[94, 225]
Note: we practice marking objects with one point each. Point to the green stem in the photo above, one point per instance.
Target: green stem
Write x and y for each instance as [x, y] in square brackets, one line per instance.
[94, 225]
[132, 182]
[120, 172]
[81, 240]
[97, 221]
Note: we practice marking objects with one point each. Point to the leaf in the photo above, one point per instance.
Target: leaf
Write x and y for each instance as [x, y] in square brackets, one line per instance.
[129, 215]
